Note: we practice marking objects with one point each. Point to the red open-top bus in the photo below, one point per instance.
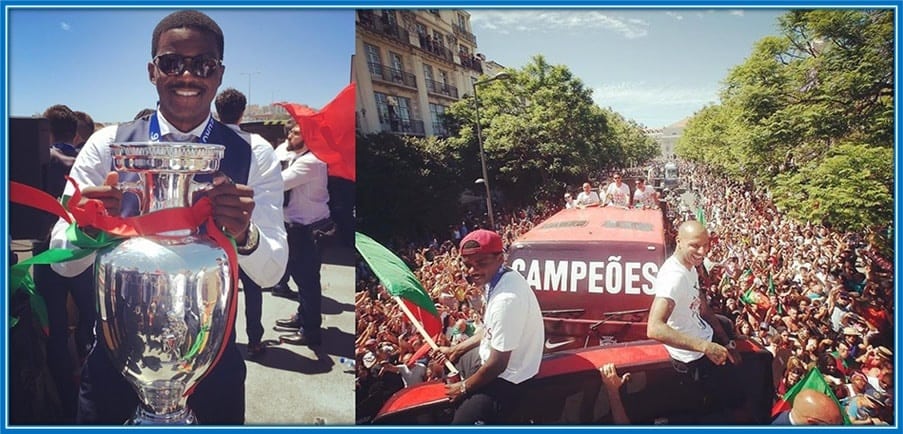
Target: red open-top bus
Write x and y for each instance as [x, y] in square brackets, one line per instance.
[592, 271]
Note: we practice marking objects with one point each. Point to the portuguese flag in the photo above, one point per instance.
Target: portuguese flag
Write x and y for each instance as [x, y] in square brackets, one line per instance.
[400, 283]
[815, 381]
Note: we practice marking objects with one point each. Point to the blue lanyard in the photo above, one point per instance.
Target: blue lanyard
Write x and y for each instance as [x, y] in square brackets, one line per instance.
[495, 281]
[154, 133]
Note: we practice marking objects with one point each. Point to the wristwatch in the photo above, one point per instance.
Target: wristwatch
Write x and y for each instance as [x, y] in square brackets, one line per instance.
[251, 241]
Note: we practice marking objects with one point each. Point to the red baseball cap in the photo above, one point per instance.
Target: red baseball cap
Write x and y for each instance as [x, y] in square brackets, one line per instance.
[488, 242]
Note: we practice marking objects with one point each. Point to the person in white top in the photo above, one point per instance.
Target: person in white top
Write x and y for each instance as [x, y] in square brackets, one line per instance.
[682, 320]
[645, 196]
[617, 193]
[230, 108]
[507, 350]
[186, 69]
[588, 197]
[305, 179]
[569, 201]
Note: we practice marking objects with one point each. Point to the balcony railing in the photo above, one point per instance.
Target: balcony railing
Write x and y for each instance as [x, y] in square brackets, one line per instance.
[402, 126]
[462, 33]
[441, 88]
[392, 75]
[471, 62]
[379, 24]
[434, 47]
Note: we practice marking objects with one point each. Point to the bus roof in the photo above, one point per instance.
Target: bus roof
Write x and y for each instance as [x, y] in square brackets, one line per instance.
[593, 224]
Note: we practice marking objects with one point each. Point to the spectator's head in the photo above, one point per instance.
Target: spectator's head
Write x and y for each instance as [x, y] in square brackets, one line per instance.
[230, 106]
[587, 187]
[811, 407]
[617, 178]
[482, 253]
[63, 123]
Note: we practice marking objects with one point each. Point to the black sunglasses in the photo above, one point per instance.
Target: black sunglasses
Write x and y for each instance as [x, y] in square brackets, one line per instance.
[174, 64]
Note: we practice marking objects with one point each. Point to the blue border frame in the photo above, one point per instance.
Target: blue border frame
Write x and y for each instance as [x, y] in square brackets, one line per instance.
[400, 4]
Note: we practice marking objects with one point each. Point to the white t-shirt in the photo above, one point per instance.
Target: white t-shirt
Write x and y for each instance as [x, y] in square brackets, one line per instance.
[591, 198]
[645, 197]
[617, 196]
[676, 282]
[513, 322]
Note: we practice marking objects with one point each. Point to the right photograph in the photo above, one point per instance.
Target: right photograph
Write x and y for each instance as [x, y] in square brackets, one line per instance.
[625, 216]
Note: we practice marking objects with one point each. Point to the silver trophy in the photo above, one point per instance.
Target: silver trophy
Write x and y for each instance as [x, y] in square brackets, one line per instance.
[162, 299]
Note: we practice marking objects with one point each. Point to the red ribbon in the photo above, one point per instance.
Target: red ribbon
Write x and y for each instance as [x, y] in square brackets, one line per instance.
[93, 213]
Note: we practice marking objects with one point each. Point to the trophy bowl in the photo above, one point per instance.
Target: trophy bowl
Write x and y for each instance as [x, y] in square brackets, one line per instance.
[162, 299]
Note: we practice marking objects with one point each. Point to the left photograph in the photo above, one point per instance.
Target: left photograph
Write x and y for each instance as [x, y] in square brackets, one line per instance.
[180, 216]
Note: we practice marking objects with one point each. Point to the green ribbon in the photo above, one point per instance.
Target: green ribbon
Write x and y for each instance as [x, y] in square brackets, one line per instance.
[21, 280]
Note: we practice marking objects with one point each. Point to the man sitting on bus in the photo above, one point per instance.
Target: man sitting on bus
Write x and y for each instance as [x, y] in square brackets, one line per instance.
[507, 350]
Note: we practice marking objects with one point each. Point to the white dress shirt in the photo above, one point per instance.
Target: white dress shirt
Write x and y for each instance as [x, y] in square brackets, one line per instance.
[264, 266]
[306, 178]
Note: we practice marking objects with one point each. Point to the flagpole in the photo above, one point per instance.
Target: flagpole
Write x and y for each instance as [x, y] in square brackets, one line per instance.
[429, 339]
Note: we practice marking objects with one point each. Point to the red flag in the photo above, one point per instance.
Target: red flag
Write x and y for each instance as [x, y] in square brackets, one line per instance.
[329, 133]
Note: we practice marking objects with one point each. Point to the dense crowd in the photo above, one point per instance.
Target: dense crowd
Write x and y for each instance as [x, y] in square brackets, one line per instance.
[812, 296]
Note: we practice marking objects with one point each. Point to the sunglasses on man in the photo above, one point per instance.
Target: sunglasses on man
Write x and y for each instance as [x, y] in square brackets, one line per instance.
[201, 66]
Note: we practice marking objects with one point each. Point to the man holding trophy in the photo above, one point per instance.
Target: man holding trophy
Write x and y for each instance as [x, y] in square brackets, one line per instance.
[161, 333]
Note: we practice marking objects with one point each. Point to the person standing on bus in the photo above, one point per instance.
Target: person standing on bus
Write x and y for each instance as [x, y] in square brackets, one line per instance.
[645, 196]
[588, 197]
[617, 193]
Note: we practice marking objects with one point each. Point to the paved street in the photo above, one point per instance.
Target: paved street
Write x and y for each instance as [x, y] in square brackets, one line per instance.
[298, 385]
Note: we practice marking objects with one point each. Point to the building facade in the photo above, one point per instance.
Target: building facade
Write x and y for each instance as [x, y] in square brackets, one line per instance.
[410, 65]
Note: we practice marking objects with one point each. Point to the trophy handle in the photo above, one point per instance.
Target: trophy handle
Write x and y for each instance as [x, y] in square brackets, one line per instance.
[136, 188]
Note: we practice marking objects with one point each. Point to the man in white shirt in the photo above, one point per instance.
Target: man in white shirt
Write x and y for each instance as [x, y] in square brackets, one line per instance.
[645, 196]
[187, 68]
[507, 350]
[569, 201]
[305, 180]
[617, 193]
[682, 320]
[230, 108]
[587, 197]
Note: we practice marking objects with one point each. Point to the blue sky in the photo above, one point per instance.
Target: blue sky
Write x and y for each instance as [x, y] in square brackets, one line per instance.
[95, 60]
[655, 66]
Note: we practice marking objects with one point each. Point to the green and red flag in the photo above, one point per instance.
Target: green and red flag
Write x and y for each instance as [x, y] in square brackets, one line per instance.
[400, 282]
[813, 380]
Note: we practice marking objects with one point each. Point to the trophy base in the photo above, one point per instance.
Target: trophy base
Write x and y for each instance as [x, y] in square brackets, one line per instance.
[183, 416]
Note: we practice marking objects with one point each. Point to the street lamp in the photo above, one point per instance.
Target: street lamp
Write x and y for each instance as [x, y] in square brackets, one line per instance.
[476, 107]
[249, 74]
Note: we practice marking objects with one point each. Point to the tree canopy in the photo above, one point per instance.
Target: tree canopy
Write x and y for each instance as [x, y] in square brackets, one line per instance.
[810, 116]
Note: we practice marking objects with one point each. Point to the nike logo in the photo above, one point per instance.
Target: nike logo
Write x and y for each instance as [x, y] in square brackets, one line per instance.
[552, 346]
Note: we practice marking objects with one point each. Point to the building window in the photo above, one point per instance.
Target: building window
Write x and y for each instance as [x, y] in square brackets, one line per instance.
[421, 29]
[436, 113]
[374, 62]
[462, 22]
[389, 17]
[428, 73]
[394, 111]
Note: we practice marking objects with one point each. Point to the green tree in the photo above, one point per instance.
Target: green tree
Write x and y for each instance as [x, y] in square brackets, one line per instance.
[406, 187]
[825, 82]
[541, 132]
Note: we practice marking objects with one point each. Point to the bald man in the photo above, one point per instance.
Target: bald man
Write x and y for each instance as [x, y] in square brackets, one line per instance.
[811, 407]
[682, 320]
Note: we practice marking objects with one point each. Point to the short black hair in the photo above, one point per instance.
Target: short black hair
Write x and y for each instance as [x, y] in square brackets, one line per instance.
[230, 106]
[144, 113]
[63, 122]
[190, 19]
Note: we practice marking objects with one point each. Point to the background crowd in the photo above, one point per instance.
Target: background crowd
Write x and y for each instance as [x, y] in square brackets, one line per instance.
[813, 296]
